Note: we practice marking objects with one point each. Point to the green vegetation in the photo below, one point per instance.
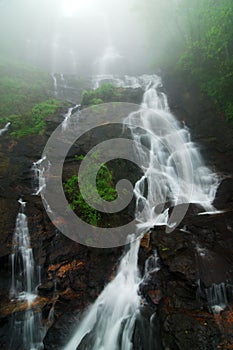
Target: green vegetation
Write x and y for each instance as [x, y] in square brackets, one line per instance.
[105, 93]
[208, 53]
[104, 185]
[195, 40]
[24, 99]
[32, 122]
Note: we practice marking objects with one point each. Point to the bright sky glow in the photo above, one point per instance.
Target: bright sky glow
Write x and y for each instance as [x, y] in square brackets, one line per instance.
[72, 7]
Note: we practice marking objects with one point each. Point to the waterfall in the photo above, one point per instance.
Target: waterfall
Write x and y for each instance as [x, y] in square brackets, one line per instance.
[175, 173]
[5, 128]
[23, 286]
[109, 323]
[39, 182]
[217, 297]
[68, 115]
[23, 268]
[26, 276]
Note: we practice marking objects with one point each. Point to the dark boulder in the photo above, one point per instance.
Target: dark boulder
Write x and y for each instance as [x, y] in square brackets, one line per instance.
[224, 194]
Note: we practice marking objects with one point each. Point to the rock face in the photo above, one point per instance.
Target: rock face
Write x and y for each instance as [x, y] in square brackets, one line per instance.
[196, 259]
[72, 275]
[193, 260]
[208, 127]
[176, 311]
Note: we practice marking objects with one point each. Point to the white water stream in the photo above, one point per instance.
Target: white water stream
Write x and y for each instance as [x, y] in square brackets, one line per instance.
[175, 174]
[68, 115]
[25, 279]
[5, 128]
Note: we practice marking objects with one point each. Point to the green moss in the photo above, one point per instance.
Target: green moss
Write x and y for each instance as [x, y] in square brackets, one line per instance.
[104, 185]
[25, 100]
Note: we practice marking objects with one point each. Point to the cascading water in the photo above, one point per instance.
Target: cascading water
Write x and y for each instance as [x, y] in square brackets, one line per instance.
[4, 130]
[22, 260]
[217, 297]
[110, 321]
[68, 115]
[39, 178]
[26, 277]
[23, 287]
[175, 173]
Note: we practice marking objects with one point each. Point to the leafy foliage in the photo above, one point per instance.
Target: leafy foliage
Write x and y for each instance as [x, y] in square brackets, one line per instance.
[195, 40]
[208, 54]
[104, 185]
[105, 93]
[32, 122]
[24, 99]
[21, 87]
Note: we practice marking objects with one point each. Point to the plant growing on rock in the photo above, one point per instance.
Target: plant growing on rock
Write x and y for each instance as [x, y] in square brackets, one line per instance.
[104, 185]
[33, 122]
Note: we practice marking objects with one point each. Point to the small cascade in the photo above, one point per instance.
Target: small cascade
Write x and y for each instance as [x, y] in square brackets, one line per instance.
[23, 269]
[217, 297]
[38, 186]
[68, 115]
[4, 129]
[25, 279]
[39, 181]
[151, 266]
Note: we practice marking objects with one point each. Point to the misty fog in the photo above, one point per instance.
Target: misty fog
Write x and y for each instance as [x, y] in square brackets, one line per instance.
[74, 36]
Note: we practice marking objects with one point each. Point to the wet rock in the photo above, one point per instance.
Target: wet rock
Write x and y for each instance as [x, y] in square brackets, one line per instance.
[184, 210]
[224, 195]
[59, 335]
[46, 288]
[196, 254]
[147, 334]
[183, 330]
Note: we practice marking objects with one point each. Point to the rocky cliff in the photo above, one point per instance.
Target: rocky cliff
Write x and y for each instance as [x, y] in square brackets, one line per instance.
[194, 259]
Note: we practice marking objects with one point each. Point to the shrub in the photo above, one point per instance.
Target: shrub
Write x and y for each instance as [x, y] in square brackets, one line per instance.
[104, 185]
[105, 93]
[33, 122]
